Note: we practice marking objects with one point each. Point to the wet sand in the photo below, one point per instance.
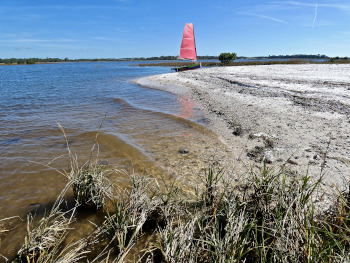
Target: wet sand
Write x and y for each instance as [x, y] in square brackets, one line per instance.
[292, 115]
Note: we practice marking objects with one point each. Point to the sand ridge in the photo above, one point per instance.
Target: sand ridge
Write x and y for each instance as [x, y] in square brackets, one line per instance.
[283, 114]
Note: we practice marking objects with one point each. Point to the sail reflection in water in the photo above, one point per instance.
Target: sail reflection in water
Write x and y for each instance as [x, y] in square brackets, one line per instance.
[187, 108]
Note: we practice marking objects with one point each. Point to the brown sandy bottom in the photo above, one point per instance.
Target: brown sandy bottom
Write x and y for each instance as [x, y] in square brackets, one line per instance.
[292, 115]
[166, 147]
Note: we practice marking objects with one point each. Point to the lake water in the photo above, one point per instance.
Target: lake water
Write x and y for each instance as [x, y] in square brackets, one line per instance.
[142, 129]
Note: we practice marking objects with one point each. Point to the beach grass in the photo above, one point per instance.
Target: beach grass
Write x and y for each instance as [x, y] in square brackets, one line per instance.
[44, 238]
[89, 181]
[273, 215]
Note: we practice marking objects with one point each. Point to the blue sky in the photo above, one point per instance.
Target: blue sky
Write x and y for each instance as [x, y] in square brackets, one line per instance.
[135, 28]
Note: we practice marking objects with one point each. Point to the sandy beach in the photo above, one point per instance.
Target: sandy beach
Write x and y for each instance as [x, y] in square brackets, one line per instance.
[292, 115]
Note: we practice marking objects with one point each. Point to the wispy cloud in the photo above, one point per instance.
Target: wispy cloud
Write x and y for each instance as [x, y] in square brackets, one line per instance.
[119, 30]
[329, 5]
[315, 17]
[102, 38]
[114, 39]
[272, 18]
[264, 17]
[36, 40]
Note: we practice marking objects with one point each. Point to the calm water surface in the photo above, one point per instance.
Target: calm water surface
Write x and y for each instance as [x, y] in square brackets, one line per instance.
[142, 130]
[33, 98]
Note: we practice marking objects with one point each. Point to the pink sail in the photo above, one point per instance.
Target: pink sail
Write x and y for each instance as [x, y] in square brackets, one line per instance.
[188, 45]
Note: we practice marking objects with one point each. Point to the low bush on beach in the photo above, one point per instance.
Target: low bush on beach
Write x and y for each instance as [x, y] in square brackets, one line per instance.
[338, 60]
[227, 58]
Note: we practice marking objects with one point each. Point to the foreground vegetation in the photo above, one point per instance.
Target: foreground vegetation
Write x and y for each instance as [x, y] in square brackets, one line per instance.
[271, 216]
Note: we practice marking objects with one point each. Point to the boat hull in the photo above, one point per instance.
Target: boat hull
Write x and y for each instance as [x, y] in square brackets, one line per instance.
[190, 67]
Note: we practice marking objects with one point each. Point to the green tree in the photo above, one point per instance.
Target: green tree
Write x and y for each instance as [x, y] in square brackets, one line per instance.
[227, 58]
[31, 61]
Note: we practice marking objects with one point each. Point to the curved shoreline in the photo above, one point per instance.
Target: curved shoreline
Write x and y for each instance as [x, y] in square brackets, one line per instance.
[292, 115]
[154, 83]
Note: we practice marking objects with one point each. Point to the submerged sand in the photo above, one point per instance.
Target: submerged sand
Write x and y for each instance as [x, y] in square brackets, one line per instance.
[293, 115]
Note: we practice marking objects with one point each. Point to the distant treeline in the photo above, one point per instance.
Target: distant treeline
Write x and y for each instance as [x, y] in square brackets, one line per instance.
[49, 60]
[56, 60]
[169, 58]
[302, 56]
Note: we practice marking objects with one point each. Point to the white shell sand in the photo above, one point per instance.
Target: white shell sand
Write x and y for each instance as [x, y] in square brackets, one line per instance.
[284, 114]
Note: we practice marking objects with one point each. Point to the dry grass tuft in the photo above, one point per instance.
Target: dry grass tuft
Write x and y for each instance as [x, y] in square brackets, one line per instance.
[90, 184]
[43, 241]
[272, 217]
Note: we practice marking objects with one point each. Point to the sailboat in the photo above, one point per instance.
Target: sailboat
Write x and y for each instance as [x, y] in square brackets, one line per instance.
[188, 49]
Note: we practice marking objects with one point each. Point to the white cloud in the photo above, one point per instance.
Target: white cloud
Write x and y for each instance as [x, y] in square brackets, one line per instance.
[296, 3]
[265, 17]
[35, 40]
[315, 17]
[272, 18]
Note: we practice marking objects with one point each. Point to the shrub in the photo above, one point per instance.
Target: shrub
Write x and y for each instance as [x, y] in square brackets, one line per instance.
[227, 58]
[30, 61]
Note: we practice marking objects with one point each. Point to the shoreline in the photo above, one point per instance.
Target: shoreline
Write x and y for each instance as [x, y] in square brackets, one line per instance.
[290, 115]
[257, 113]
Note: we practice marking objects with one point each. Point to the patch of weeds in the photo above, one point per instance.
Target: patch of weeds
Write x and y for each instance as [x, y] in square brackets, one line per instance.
[90, 186]
[212, 180]
[270, 216]
[133, 212]
[272, 219]
[42, 242]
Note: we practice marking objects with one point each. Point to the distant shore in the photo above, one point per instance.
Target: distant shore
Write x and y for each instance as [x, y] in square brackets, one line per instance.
[206, 61]
[292, 115]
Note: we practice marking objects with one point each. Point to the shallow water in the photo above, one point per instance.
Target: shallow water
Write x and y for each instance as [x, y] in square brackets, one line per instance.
[141, 129]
